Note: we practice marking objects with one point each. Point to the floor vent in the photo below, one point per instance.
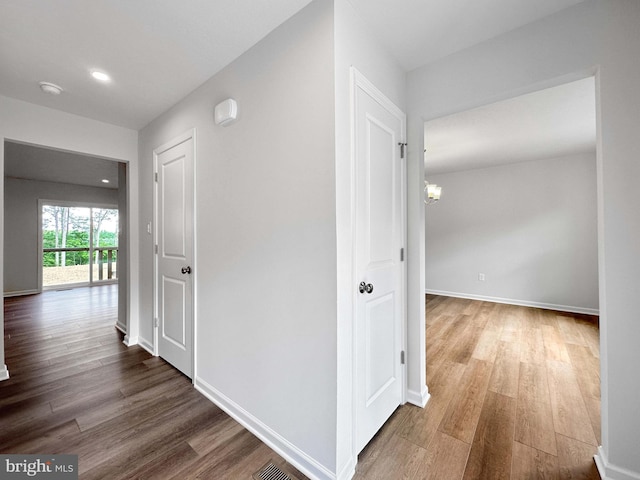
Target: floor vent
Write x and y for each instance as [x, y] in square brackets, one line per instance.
[272, 472]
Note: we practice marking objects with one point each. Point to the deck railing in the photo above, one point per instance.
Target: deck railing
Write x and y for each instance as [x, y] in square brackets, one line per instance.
[100, 256]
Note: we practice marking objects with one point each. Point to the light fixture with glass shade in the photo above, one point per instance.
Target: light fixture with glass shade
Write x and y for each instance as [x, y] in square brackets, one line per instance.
[432, 193]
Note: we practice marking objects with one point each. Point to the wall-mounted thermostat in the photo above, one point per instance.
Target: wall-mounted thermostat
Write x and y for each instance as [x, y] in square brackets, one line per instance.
[226, 112]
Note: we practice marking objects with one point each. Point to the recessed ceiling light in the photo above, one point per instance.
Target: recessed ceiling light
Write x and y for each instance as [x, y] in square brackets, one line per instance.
[104, 180]
[50, 88]
[100, 76]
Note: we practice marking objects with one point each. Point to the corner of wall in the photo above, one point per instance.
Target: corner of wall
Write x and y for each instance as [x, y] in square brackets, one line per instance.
[608, 471]
[301, 460]
[4, 373]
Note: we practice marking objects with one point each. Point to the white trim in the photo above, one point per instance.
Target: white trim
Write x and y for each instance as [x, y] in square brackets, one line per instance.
[131, 341]
[419, 399]
[194, 238]
[608, 471]
[302, 461]
[121, 327]
[511, 301]
[146, 345]
[4, 373]
[19, 293]
[348, 471]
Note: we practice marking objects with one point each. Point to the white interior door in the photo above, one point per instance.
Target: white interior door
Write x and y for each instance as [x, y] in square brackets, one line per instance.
[379, 131]
[174, 282]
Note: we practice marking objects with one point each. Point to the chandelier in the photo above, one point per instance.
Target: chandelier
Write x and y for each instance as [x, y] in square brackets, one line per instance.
[432, 193]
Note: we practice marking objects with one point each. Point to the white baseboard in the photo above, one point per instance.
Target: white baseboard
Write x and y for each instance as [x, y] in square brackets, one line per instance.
[303, 462]
[348, 471]
[131, 341]
[146, 345]
[4, 373]
[611, 472]
[19, 293]
[121, 327]
[511, 301]
[419, 399]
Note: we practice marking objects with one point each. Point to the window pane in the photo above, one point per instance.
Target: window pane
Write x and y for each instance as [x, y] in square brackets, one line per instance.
[105, 243]
[105, 227]
[66, 231]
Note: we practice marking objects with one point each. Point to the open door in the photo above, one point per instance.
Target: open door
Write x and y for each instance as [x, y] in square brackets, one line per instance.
[379, 250]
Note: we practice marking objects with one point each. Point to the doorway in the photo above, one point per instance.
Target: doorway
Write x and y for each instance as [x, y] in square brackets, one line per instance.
[36, 173]
[516, 225]
[380, 297]
[174, 263]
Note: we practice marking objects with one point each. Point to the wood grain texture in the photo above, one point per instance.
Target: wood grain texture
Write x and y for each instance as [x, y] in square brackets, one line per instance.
[490, 456]
[446, 460]
[506, 369]
[420, 425]
[497, 377]
[575, 459]
[531, 464]
[402, 461]
[534, 417]
[512, 338]
[463, 412]
[570, 416]
[75, 388]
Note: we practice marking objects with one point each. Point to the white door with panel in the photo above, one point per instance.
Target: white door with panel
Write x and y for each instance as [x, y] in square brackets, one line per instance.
[174, 237]
[379, 331]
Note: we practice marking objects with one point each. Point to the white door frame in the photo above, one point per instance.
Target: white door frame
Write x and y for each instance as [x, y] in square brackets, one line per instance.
[189, 134]
[359, 81]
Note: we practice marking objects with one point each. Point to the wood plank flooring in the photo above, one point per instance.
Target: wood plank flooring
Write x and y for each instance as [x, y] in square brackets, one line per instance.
[75, 388]
[514, 395]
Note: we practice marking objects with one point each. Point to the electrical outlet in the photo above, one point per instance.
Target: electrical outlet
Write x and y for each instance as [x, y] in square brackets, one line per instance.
[481, 277]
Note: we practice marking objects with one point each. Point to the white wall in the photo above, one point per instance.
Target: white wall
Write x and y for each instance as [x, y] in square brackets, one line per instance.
[21, 266]
[28, 123]
[354, 46]
[123, 244]
[265, 268]
[600, 36]
[530, 227]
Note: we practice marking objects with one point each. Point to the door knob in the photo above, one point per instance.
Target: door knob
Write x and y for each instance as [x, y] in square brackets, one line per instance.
[185, 270]
[365, 287]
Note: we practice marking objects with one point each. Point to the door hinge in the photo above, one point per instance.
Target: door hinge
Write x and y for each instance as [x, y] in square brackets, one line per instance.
[156, 176]
[402, 254]
[156, 322]
[402, 357]
[402, 148]
[156, 249]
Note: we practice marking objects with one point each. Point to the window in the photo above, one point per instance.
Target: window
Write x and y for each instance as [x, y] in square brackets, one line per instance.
[79, 245]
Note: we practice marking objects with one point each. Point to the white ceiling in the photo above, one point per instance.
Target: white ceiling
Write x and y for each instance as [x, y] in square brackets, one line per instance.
[550, 123]
[158, 51]
[418, 32]
[36, 163]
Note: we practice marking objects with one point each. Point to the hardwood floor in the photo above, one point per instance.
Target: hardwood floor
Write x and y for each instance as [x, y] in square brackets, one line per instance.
[75, 388]
[514, 395]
